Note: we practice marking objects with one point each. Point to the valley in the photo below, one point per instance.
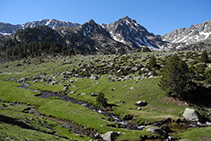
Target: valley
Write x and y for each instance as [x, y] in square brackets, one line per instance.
[123, 79]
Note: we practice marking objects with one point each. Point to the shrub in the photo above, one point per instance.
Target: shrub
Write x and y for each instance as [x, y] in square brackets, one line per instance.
[101, 100]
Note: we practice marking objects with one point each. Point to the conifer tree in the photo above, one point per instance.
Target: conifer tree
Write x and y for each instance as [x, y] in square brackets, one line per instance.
[175, 78]
[204, 57]
[152, 62]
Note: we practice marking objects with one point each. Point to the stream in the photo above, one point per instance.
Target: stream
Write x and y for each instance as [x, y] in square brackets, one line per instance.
[115, 118]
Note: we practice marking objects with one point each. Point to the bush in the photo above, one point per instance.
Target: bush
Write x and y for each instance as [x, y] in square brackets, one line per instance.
[101, 100]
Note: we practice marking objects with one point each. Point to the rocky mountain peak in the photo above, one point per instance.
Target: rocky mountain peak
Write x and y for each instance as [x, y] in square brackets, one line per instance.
[191, 35]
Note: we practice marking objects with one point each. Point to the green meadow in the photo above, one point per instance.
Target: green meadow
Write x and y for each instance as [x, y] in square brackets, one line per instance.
[121, 95]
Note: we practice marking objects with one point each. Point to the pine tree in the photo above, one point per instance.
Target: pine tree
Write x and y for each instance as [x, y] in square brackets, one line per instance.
[175, 78]
[204, 57]
[152, 62]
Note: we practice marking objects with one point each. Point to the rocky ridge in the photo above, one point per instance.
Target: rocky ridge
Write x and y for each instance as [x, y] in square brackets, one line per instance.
[120, 36]
[186, 36]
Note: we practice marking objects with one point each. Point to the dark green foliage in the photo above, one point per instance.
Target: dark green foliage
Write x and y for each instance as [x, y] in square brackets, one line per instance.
[152, 62]
[200, 68]
[34, 49]
[175, 77]
[204, 57]
[101, 100]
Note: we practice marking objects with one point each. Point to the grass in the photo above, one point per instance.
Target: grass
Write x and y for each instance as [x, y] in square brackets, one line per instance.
[199, 134]
[118, 93]
[70, 112]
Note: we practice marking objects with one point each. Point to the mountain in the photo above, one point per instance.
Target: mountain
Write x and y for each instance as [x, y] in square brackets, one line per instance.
[130, 33]
[186, 36]
[37, 34]
[7, 29]
[91, 37]
[121, 36]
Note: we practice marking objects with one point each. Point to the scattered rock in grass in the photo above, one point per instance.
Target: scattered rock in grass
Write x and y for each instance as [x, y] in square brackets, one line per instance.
[156, 130]
[192, 115]
[138, 108]
[109, 136]
[71, 81]
[65, 88]
[208, 123]
[141, 103]
[22, 80]
[97, 136]
[122, 102]
[152, 73]
[83, 93]
[132, 88]
[54, 82]
[94, 77]
[113, 89]
[94, 94]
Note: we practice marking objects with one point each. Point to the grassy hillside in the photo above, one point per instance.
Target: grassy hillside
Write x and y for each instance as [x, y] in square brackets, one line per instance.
[124, 79]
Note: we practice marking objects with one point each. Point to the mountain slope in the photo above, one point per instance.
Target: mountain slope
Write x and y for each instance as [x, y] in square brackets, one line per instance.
[195, 33]
[7, 29]
[90, 37]
[130, 33]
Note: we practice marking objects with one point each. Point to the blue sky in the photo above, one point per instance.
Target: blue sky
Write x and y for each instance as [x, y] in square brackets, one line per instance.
[157, 16]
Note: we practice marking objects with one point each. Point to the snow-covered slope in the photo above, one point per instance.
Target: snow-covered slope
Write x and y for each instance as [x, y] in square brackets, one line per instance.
[195, 33]
[52, 23]
[7, 29]
[130, 33]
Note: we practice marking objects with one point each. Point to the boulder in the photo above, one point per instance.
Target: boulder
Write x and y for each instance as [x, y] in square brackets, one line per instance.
[152, 73]
[94, 77]
[83, 93]
[141, 103]
[94, 94]
[109, 136]
[65, 88]
[156, 130]
[132, 88]
[22, 80]
[192, 115]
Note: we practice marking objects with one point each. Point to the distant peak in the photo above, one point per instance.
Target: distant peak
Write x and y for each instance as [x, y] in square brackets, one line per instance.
[126, 18]
[91, 21]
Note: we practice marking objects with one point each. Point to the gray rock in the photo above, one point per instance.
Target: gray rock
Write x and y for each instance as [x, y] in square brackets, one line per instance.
[208, 123]
[109, 136]
[141, 103]
[83, 93]
[54, 82]
[192, 115]
[94, 94]
[65, 88]
[156, 130]
[94, 77]
[152, 73]
[132, 88]
[22, 80]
